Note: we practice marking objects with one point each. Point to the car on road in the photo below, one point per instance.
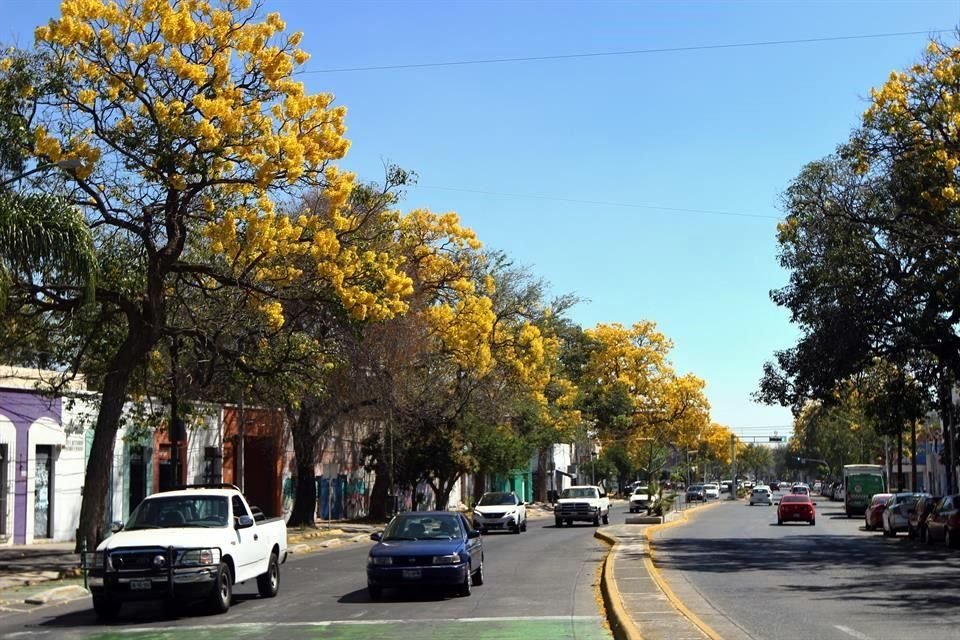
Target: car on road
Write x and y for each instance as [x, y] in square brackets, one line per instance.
[696, 492]
[425, 548]
[191, 544]
[583, 503]
[917, 527]
[800, 490]
[896, 515]
[873, 516]
[640, 499]
[774, 486]
[712, 490]
[943, 523]
[761, 495]
[796, 508]
[499, 510]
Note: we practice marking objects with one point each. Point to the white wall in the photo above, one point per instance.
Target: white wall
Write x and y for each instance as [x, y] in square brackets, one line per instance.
[208, 434]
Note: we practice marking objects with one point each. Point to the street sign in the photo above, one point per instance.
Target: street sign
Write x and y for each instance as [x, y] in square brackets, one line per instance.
[776, 438]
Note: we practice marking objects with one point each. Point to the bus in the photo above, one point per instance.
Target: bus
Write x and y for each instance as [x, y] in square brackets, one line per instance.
[860, 483]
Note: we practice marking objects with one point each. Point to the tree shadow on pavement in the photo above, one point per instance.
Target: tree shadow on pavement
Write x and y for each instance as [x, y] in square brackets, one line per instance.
[854, 567]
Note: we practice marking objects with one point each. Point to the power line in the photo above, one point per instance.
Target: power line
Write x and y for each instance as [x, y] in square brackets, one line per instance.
[629, 52]
[601, 202]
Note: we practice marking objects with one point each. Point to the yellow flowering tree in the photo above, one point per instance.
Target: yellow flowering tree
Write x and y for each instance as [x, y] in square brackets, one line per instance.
[637, 399]
[177, 126]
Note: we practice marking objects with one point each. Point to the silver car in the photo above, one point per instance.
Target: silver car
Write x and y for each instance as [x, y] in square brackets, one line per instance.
[761, 495]
[896, 515]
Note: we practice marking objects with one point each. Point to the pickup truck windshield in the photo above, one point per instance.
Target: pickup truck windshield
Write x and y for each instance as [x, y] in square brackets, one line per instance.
[179, 511]
[584, 492]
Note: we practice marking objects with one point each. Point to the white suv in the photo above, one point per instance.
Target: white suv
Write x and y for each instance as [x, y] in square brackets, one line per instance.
[761, 495]
[500, 510]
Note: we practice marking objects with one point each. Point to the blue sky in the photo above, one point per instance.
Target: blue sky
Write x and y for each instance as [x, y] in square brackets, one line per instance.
[720, 130]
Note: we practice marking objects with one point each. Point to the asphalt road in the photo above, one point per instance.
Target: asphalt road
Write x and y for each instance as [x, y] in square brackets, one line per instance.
[734, 565]
[538, 585]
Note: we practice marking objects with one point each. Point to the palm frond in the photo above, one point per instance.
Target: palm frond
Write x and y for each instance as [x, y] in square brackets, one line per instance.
[40, 233]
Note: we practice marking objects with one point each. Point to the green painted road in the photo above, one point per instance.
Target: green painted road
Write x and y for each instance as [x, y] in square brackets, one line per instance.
[547, 628]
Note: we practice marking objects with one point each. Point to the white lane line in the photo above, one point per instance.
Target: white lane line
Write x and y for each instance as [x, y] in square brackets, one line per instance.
[853, 632]
[328, 623]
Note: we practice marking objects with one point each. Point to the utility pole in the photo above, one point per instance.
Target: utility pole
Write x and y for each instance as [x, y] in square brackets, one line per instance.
[733, 466]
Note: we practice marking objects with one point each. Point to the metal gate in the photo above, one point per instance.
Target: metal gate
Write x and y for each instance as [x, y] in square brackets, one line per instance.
[41, 493]
[3, 490]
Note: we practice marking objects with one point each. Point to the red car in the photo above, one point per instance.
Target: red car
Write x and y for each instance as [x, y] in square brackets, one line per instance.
[795, 508]
[873, 516]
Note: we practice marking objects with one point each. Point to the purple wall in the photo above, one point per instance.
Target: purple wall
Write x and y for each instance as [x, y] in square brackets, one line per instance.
[23, 408]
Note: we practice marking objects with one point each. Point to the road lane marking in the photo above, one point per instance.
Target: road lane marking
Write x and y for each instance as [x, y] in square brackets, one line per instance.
[853, 632]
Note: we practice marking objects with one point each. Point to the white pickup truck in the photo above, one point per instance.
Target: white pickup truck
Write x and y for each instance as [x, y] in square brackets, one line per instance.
[582, 503]
[190, 544]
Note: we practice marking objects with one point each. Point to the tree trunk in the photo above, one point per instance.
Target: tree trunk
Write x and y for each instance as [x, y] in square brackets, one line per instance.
[442, 491]
[913, 456]
[542, 463]
[900, 459]
[99, 474]
[479, 486]
[304, 511]
[378, 495]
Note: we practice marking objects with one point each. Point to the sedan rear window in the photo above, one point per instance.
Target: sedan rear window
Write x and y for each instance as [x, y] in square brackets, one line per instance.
[794, 498]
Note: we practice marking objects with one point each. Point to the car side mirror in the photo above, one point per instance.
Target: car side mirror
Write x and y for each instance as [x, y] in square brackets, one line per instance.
[473, 533]
[376, 537]
[244, 522]
[523, 504]
[814, 504]
[116, 526]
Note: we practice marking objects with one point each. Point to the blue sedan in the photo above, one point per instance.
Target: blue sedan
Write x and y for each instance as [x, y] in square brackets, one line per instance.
[426, 548]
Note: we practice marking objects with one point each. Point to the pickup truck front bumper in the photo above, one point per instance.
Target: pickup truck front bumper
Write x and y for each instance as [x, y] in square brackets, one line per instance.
[577, 512]
[154, 576]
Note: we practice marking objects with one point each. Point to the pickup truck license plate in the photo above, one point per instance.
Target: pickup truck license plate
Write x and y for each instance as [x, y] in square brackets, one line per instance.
[411, 574]
[140, 585]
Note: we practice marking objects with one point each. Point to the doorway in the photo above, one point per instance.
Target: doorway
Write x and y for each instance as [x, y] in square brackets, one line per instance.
[42, 494]
[138, 477]
[260, 473]
[165, 479]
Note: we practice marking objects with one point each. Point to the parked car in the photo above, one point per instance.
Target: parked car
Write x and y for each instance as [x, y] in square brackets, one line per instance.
[761, 495]
[426, 548]
[191, 544]
[873, 516]
[796, 507]
[917, 527]
[943, 523]
[500, 510]
[640, 499]
[774, 486]
[840, 492]
[695, 492]
[712, 490]
[583, 503]
[896, 515]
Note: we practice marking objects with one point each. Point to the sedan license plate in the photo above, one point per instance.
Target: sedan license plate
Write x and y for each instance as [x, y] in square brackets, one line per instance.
[412, 574]
[140, 585]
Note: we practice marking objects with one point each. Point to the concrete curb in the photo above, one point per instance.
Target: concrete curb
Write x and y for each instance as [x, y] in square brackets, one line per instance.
[360, 537]
[58, 594]
[336, 542]
[662, 583]
[621, 624]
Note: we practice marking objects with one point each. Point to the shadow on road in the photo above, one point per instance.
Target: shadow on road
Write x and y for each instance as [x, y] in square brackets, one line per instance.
[134, 614]
[897, 574]
[406, 594]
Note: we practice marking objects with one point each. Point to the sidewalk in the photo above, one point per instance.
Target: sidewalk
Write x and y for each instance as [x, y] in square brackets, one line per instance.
[640, 604]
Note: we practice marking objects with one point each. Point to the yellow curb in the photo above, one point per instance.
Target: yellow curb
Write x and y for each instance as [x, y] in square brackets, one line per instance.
[621, 623]
[662, 583]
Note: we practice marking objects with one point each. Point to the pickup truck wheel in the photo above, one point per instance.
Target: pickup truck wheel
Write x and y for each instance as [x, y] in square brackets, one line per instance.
[105, 608]
[222, 594]
[268, 584]
[606, 518]
[557, 522]
[596, 520]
